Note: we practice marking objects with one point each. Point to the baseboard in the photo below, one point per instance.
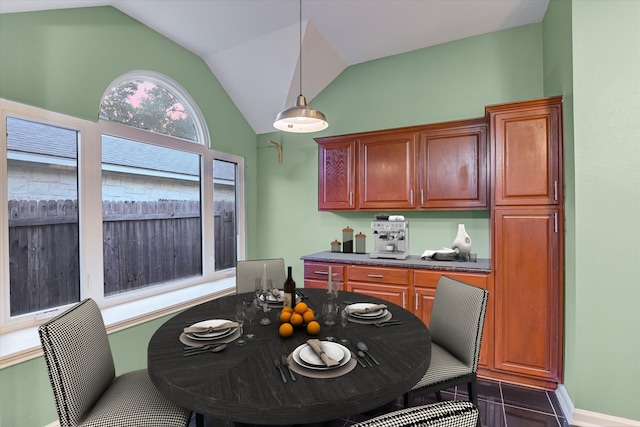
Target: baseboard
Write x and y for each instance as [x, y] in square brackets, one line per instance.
[56, 423]
[583, 418]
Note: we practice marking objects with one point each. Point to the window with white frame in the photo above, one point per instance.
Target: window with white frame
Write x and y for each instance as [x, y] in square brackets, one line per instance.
[136, 202]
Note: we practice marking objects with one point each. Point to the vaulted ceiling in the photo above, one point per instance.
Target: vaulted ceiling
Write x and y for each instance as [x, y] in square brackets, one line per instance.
[252, 46]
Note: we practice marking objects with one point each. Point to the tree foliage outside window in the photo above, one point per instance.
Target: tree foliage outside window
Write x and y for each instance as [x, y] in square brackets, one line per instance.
[145, 105]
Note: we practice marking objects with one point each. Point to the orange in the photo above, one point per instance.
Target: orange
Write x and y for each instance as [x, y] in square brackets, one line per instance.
[285, 316]
[300, 307]
[288, 309]
[313, 328]
[308, 316]
[285, 330]
[297, 319]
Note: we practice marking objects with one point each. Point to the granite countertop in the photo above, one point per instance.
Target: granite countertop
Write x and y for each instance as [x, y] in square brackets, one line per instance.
[482, 265]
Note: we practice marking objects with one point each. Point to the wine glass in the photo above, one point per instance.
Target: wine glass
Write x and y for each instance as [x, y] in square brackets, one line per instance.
[249, 310]
[264, 290]
[329, 312]
[344, 321]
[240, 319]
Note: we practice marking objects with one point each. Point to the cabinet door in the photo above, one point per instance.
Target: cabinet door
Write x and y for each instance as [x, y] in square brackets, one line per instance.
[425, 283]
[396, 294]
[528, 295]
[336, 174]
[453, 167]
[316, 274]
[386, 172]
[526, 141]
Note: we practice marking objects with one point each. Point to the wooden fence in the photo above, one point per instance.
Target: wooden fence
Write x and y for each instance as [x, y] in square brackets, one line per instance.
[145, 243]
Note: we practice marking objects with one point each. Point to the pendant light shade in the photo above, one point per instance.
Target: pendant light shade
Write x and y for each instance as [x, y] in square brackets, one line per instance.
[300, 118]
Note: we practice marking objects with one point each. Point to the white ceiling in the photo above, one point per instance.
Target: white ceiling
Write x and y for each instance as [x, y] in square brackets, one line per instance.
[252, 46]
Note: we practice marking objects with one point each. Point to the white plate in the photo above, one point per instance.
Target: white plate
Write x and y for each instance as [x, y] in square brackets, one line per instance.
[372, 315]
[304, 355]
[213, 323]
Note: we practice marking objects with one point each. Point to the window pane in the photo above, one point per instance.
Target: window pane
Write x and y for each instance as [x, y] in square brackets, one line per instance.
[151, 215]
[225, 211]
[146, 105]
[43, 216]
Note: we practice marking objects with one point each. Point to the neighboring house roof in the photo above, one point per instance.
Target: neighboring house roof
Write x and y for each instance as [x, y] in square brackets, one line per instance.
[36, 138]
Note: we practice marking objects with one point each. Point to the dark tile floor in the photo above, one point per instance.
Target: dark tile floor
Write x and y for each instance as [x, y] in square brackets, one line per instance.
[500, 404]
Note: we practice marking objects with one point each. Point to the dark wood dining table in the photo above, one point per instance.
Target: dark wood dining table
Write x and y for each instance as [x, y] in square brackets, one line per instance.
[243, 385]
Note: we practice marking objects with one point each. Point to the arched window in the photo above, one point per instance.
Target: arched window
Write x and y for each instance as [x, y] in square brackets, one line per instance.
[153, 102]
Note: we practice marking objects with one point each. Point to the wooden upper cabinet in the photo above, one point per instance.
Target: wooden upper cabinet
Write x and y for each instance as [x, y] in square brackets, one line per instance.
[453, 166]
[386, 171]
[336, 174]
[526, 143]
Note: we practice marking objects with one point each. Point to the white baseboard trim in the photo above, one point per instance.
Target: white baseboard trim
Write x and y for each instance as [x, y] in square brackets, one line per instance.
[584, 418]
[56, 423]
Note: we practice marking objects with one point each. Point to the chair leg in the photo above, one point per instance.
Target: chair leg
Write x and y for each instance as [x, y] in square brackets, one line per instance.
[439, 396]
[406, 398]
[473, 391]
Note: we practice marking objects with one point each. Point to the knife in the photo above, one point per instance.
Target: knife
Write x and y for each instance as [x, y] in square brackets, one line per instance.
[285, 362]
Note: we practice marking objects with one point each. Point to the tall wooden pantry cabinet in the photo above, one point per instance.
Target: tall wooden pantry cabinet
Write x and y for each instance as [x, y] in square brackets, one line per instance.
[527, 240]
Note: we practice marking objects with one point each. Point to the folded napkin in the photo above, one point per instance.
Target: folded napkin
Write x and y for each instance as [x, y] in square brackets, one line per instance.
[444, 254]
[316, 345]
[209, 329]
[368, 309]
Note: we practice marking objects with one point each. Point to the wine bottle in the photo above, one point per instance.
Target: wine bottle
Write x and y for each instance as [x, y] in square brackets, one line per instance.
[289, 290]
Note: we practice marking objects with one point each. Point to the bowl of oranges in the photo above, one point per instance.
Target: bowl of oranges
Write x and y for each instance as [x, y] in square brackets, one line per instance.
[300, 316]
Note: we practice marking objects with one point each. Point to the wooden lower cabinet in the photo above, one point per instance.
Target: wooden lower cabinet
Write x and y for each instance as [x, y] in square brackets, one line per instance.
[316, 274]
[528, 294]
[390, 284]
[424, 287]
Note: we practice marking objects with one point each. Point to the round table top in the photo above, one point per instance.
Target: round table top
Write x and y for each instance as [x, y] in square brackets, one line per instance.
[242, 384]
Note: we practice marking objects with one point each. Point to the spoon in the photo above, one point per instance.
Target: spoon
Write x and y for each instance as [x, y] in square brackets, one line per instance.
[362, 346]
[361, 354]
[205, 349]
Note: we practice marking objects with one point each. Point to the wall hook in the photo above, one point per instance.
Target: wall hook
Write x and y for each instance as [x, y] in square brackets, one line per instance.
[279, 147]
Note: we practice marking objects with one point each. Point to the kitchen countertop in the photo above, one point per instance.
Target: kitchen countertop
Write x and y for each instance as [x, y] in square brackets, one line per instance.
[482, 265]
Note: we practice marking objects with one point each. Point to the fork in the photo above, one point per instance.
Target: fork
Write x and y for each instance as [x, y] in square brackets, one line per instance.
[388, 323]
[285, 362]
[277, 363]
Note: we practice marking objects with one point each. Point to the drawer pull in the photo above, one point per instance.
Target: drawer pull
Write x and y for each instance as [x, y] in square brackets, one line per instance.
[375, 276]
[324, 273]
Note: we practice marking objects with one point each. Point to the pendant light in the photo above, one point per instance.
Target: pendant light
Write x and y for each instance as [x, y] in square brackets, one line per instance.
[300, 118]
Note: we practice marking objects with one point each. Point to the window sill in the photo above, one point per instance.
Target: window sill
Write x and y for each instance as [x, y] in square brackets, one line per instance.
[24, 344]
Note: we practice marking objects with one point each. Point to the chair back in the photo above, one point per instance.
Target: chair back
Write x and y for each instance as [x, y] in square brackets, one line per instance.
[78, 356]
[457, 319]
[247, 272]
[450, 413]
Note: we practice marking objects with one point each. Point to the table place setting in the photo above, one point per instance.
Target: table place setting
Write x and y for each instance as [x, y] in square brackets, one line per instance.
[209, 335]
[321, 359]
[368, 313]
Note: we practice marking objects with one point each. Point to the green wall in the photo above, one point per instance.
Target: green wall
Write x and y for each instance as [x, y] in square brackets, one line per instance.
[606, 98]
[448, 82]
[63, 61]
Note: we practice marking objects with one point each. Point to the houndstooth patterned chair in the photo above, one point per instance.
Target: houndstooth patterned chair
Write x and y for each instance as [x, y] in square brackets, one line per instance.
[442, 414]
[456, 326]
[82, 374]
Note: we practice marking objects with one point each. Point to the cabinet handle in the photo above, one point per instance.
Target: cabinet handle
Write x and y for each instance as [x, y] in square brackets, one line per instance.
[375, 276]
[350, 198]
[411, 196]
[555, 222]
[416, 302]
[404, 300]
[422, 196]
[555, 190]
[324, 273]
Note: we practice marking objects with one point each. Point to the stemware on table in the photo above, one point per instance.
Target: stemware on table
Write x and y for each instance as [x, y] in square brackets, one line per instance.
[240, 319]
[329, 313]
[250, 308]
[264, 290]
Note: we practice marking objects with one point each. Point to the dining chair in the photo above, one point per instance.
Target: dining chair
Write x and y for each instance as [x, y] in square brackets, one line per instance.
[82, 375]
[457, 320]
[451, 413]
[247, 271]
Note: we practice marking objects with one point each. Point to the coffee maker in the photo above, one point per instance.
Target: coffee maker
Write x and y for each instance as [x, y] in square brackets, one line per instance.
[390, 237]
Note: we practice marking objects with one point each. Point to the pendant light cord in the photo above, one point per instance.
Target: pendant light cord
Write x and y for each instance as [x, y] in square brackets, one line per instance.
[300, 54]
